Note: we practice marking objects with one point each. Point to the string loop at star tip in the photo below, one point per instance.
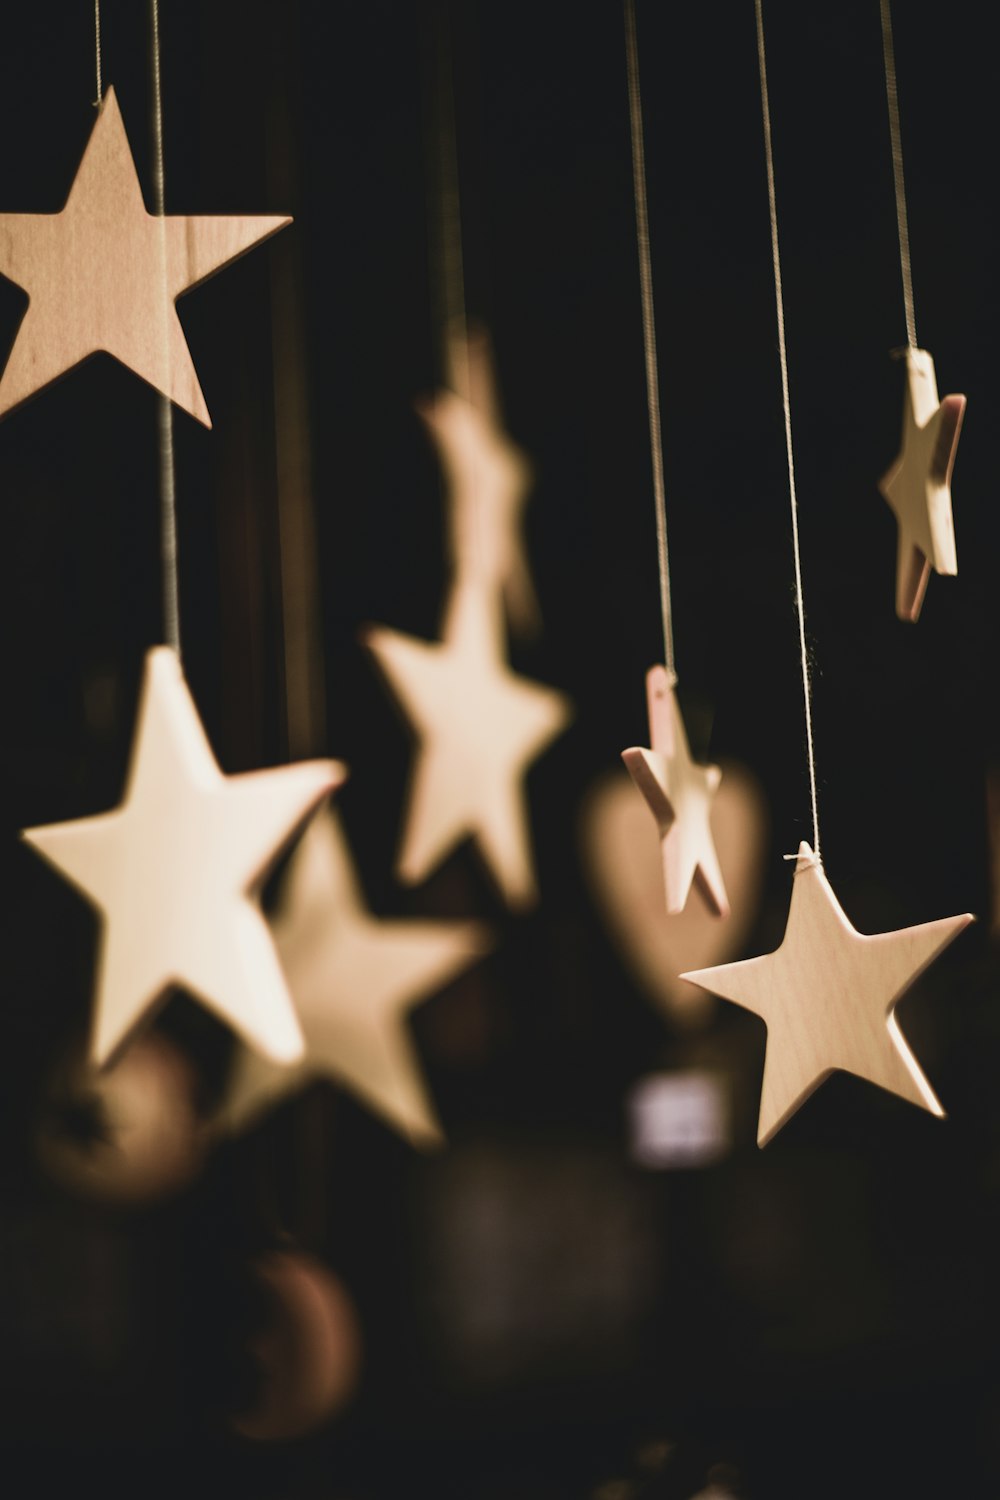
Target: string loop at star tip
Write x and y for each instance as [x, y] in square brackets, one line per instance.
[804, 858]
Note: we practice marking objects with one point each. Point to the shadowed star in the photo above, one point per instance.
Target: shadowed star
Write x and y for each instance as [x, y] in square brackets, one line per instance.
[918, 486]
[679, 794]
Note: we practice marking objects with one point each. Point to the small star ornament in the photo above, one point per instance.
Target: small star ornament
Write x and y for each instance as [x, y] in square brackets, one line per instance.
[828, 998]
[918, 486]
[488, 480]
[623, 860]
[174, 872]
[354, 979]
[679, 793]
[480, 727]
[103, 274]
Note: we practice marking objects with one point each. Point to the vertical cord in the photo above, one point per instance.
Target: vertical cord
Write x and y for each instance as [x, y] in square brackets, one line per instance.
[449, 258]
[649, 334]
[780, 309]
[97, 53]
[889, 58]
[168, 498]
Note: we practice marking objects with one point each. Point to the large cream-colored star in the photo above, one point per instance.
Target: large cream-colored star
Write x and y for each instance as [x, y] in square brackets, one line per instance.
[480, 727]
[828, 997]
[679, 793]
[918, 486]
[103, 275]
[173, 870]
[353, 979]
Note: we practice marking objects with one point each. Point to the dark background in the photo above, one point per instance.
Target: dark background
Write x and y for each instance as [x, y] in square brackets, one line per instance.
[820, 1317]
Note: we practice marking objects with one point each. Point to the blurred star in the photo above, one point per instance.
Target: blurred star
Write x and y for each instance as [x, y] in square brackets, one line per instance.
[353, 978]
[488, 480]
[480, 727]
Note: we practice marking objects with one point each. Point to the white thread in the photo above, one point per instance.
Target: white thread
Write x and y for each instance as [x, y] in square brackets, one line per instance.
[902, 225]
[649, 334]
[780, 309]
[168, 497]
[97, 52]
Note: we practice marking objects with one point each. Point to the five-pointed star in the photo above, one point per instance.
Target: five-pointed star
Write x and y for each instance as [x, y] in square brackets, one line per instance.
[918, 486]
[480, 727]
[172, 870]
[828, 997]
[488, 480]
[679, 793]
[103, 275]
[353, 979]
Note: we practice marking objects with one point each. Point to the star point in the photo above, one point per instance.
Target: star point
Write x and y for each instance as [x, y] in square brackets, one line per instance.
[174, 871]
[918, 485]
[679, 794]
[828, 995]
[354, 979]
[102, 275]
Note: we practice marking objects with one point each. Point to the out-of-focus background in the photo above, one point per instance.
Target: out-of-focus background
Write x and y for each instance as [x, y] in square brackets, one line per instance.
[600, 1288]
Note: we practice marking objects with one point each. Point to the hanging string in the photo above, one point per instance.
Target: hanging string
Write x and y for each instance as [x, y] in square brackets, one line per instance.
[783, 355]
[446, 253]
[889, 57]
[649, 335]
[168, 498]
[97, 53]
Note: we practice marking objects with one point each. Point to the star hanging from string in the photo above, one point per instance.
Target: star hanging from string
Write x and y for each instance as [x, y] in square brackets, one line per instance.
[488, 480]
[480, 727]
[828, 998]
[103, 275]
[353, 978]
[918, 486]
[174, 870]
[679, 793]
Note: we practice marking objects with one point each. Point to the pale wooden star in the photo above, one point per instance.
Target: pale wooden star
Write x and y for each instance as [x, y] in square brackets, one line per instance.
[828, 997]
[103, 275]
[679, 793]
[918, 486]
[353, 978]
[488, 480]
[480, 727]
[172, 871]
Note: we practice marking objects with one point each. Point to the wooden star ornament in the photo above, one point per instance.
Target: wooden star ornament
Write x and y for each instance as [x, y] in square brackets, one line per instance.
[918, 486]
[174, 871]
[828, 997]
[354, 979]
[679, 793]
[480, 727]
[103, 274]
[488, 479]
